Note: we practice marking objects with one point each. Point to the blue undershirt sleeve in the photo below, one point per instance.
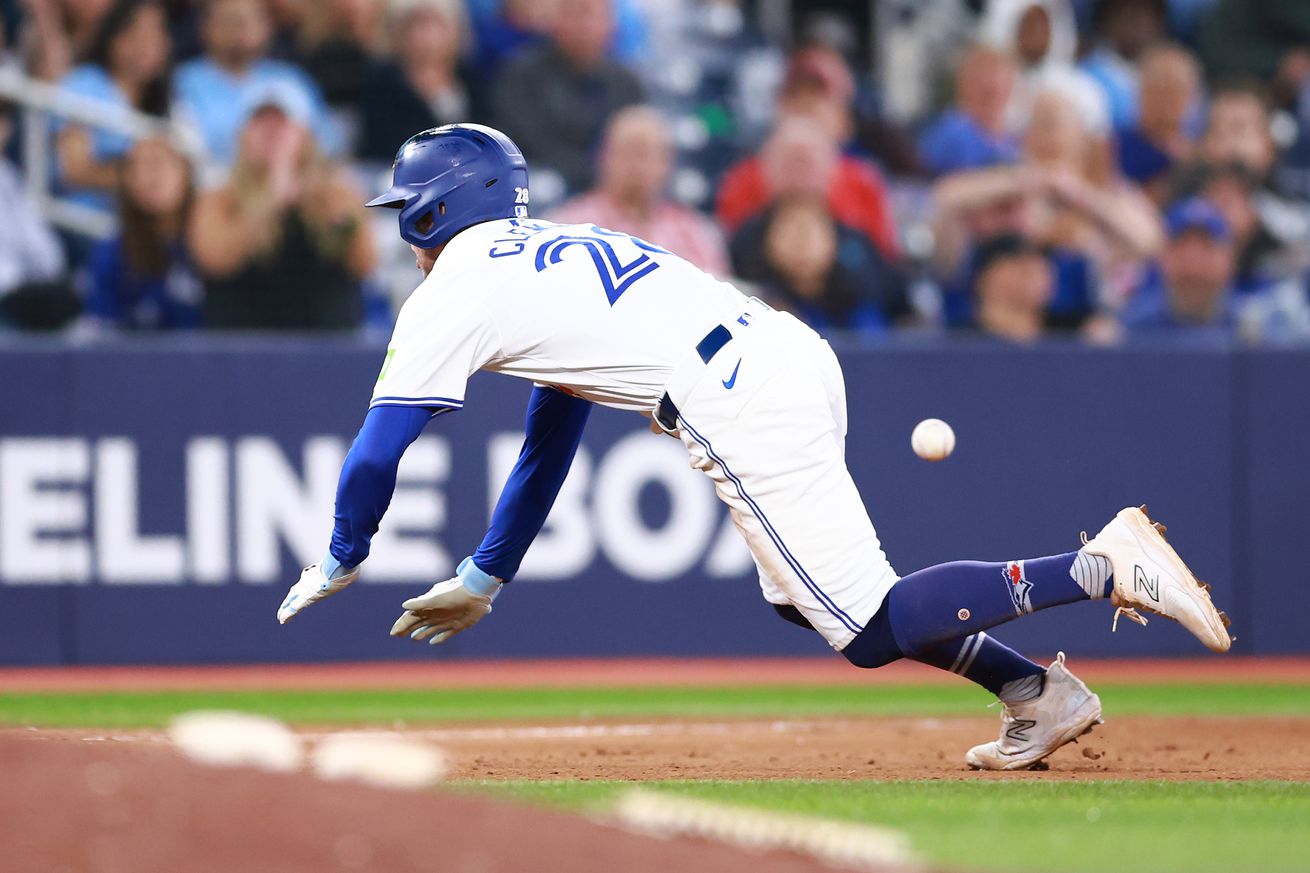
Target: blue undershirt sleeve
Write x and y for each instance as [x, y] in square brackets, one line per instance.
[368, 478]
[554, 429]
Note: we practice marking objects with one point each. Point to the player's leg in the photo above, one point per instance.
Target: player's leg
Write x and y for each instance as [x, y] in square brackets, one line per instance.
[948, 602]
[773, 446]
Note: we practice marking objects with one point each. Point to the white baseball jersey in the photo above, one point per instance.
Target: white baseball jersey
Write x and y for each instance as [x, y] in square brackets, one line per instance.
[616, 320]
[600, 314]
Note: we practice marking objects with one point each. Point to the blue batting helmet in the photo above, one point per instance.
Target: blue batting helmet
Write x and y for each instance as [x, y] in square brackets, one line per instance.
[452, 177]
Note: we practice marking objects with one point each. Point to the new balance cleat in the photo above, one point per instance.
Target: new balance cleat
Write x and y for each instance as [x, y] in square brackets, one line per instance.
[1030, 731]
[1149, 576]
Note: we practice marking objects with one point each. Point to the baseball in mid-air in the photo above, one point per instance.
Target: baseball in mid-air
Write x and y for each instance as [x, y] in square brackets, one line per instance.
[933, 439]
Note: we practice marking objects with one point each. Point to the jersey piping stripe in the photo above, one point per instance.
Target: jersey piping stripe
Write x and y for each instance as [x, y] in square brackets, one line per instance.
[827, 602]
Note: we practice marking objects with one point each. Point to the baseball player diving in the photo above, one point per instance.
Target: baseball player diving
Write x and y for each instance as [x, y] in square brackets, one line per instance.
[592, 316]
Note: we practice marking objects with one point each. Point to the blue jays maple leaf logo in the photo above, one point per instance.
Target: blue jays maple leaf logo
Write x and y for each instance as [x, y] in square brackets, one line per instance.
[1019, 587]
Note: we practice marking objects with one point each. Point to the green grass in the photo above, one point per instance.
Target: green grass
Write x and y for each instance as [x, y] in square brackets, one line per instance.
[1023, 825]
[153, 709]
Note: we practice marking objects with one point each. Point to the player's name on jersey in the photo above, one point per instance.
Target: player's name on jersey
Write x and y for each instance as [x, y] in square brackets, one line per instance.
[221, 511]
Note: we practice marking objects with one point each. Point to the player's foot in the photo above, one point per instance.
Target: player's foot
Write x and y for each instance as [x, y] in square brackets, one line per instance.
[1149, 575]
[1030, 731]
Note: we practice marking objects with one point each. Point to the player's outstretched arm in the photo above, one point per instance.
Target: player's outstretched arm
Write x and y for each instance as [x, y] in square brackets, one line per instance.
[554, 429]
[368, 479]
[552, 433]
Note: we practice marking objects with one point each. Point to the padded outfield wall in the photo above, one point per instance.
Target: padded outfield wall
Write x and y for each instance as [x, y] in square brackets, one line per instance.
[157, 497]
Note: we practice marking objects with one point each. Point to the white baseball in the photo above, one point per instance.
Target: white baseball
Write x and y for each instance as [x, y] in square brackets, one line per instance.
[933, 439]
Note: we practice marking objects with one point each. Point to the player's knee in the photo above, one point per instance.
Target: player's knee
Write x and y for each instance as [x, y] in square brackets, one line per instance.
[870, 657]
[874, 646]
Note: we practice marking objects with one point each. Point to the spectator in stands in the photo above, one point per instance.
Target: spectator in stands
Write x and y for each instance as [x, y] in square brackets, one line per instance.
[1237, 129]
[59, 32]
[1042, 36]
[818, 83]
[1191, 286]
[212, 90]
[1259, 224]
[33, 292]
[426, 86]
[284, 244]
[635, 159]
[1238, 133]
[556, 98]
[1149, 149]
[1039, 34]
[828, 275]
[143, 278]
[802, 156]
[1013, 284]
[973, 132]
[1123, 30]
[504, 29]
[125, 71]
[338, 42]
[1095, 228]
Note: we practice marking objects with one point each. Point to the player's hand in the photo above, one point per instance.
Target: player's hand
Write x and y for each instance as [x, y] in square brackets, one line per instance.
[313, 586]
[445, 610]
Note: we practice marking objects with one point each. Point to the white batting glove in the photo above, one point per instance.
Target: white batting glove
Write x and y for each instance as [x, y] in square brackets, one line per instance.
[314, 585]
[448, 607]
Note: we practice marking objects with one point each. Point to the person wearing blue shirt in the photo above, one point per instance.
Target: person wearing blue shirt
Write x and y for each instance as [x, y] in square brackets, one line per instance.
[1163, 134]
[125, 72]
[213, 90]
[973, 134]
[142, 279]
[1192, 289]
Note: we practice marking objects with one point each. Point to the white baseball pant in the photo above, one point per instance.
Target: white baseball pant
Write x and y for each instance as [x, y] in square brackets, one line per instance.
[765, 419]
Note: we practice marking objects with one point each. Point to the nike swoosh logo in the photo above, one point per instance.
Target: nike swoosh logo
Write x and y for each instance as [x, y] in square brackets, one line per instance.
[732, 380]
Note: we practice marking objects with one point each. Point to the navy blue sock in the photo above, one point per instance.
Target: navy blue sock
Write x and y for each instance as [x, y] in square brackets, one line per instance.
[993, 665]
[949, 601]
[977, 657]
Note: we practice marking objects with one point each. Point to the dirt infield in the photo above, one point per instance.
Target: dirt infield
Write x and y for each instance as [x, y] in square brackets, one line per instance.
[1128, 747]
[881, 748]
[119, 808]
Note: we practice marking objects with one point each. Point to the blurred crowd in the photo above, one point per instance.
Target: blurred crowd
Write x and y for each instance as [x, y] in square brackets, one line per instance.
[1110, 170]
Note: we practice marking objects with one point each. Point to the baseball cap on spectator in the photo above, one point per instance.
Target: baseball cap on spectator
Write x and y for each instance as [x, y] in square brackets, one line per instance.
[283, 95]
[1196, 213]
